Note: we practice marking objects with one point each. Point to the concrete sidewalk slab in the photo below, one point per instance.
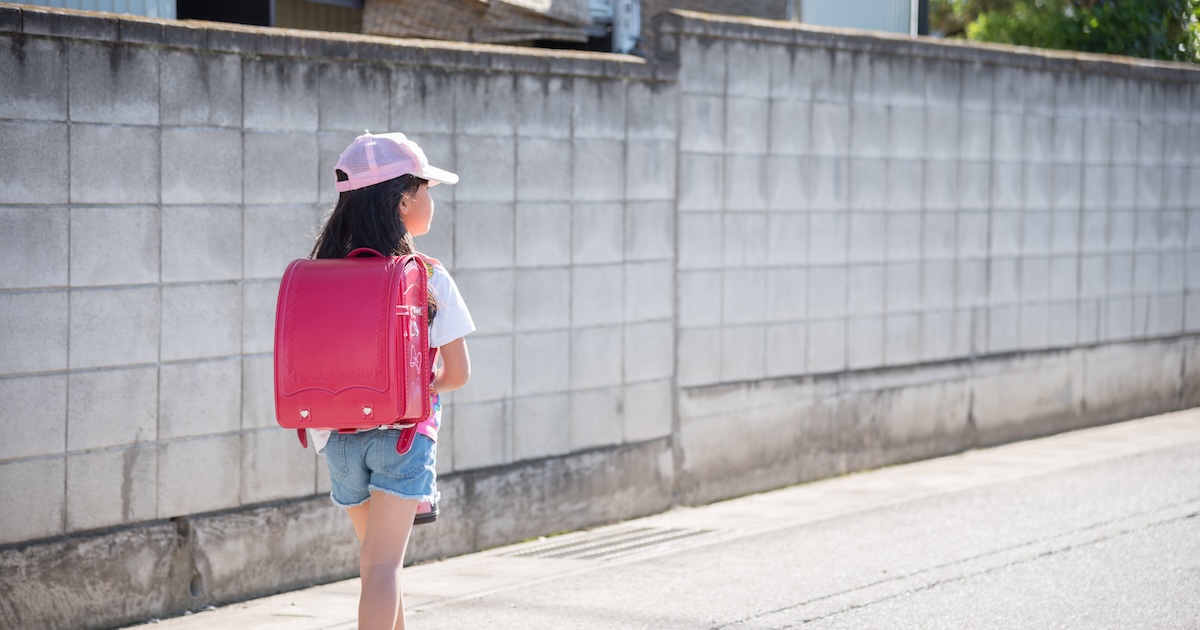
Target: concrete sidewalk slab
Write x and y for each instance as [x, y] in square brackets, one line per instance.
[497, 573]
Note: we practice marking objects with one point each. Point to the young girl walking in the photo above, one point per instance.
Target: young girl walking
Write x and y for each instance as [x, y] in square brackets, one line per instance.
[383, 183]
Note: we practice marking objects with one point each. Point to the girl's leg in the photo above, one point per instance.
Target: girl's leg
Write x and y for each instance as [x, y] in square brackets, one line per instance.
[384, 535]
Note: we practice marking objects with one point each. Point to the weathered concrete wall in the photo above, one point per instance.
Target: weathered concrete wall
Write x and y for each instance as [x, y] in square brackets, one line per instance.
[781, 254]
[958, 245]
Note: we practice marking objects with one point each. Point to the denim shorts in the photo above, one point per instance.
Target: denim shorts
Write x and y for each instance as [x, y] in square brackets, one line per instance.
[366, 461]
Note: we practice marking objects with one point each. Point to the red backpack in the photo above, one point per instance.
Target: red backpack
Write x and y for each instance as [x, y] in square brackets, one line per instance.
[352, 344]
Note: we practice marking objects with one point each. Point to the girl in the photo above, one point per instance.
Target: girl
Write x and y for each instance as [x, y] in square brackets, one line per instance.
[383, 183]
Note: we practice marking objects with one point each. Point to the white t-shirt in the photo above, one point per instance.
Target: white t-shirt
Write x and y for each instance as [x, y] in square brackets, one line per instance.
[453, 321]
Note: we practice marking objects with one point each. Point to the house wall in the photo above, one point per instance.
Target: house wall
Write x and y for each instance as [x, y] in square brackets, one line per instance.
[776, 254]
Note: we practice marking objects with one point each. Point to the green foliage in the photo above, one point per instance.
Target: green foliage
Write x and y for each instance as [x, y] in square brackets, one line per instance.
[1152, 29]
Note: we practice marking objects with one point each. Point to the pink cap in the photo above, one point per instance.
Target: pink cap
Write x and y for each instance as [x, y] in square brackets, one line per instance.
[372, 159]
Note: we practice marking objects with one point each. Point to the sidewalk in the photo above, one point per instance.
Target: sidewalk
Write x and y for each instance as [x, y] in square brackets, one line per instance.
[712, 548]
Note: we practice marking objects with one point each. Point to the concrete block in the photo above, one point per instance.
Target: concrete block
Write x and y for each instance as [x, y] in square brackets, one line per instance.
[942, 134]
[743, 351]
[868, 242]
[1191, 316]
[749, 74]
[907, 133]
[1066, 187]
[903, 281]
[282, 94]
[1146, 274]
[369, 83]
[111, 487]
[204, 166]
[483, 104]
[1068, 140]
[828, 237]
[489, 295]
[702, 124]
[484, 235]
[649, 230]
[827, 290]
[1191, 276]
[941, 186]
[701, 182]
[1007, 189]
[974, 186]
[905, 181]
[1166, 315]
[1097, 141]
[542, 299]
[903, 236]
[1149, 188]
[423, 100]
[33, 78]
[1170, 276]
[113, 84]
[543, 426]
[699, 360]
[1036, 233]
[199, 398]
[1090, 318]
[707, 75]
[598, 170]
[786, 349]
[1151, 141]
[831, 75]
[1175, 188]
[114, 164]
[1118, 319]
[971, 283]
[1006, 233]
[868, 184]
[746, 182]
[864, 342]
[865, 285]
[123, 247]
[596, 357]
[1123, 188]
[1173, 228]
[121, 327]
[1094, 232]
[1035, 279]
[789, 125]
[1064, 278]
[789, 183]
[698, 292]
[940, 238]
[544, 365]
[826, 346]
[111, 408]
[34, 335]
[258, 393]
[902, 339]
[700, 241]
[650, 170]
[200, 89]
[33, 247]
[938, 285]
[786, 295]
[258, 316]
[34, 489]
[597, 295]
[939, 340]
[1121, 230]
[275, 467]
[487, 168]
[649, 352]
[1035, 326]
[492, 366]
[1142, 316]
[975, 135]
[543, 234]
[201, 243]
[1124, 141]
[201, 321]
[596, 417]
[598, 231]
[786, 239]
[649, 291]
[648, 411]
[1064, 232]
[34, 416]
[652, 121]
[1120, 274]
[1004, 281]
[275, 236]
[790, 70]
[1063, 325]
[1003, 329]
[1037, 187]
[197, 475]
[747, 122]
[1038, 144]
[1008, 134]
[869, 130]
[543, 167]
[282, 166]
[745, 240]
[830, 129]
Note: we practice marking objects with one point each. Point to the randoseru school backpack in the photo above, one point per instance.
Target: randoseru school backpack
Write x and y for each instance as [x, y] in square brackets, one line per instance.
[352, 344]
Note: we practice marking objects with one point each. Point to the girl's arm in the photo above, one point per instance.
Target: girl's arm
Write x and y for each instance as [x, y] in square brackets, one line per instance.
[456, 366]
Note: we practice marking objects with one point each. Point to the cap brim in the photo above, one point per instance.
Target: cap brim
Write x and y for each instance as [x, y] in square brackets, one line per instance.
[436, 176]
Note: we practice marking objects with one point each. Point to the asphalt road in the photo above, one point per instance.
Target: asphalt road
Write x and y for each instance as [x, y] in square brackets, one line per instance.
[1093, 529]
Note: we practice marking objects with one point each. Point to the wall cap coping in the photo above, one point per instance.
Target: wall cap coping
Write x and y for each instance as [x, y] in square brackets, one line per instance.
[682, 22]
[270, 41]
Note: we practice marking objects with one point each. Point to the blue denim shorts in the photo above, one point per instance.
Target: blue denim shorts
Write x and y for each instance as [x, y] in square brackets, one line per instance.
[366, 461]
